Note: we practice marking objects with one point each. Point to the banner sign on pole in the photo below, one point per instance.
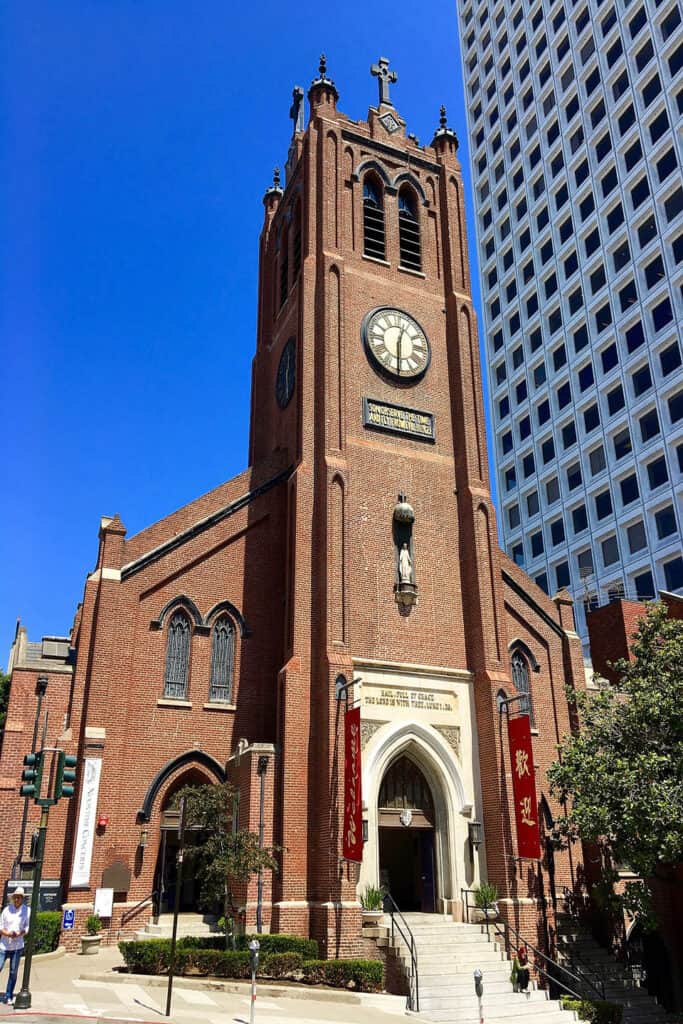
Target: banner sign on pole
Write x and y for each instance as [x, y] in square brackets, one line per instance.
[352, 846]
[524, 788]
[85, 832]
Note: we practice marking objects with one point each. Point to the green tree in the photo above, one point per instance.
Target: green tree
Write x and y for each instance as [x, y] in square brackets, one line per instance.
[4, 698]
[621, 778]
[223, 857]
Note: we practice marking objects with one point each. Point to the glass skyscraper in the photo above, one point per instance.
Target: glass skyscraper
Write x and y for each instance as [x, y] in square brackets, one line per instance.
[575, 121]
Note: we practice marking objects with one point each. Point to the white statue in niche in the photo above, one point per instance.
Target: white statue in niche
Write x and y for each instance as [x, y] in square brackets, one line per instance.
[405, 565]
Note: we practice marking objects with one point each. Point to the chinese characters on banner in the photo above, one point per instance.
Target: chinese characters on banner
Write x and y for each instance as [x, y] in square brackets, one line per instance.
[352, 845]
[524, 788]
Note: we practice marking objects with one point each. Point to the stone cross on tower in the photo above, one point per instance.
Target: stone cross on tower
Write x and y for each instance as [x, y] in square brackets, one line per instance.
[296, 111]
[381, 72]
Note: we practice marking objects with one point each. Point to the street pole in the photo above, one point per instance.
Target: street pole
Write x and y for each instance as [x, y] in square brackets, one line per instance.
[41, 687]
[261, 769]
[254, 947]
[176, 907]
[23, 1000]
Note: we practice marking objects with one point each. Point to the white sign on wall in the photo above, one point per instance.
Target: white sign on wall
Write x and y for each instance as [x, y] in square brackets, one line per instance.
[80, 872]
[104, 902]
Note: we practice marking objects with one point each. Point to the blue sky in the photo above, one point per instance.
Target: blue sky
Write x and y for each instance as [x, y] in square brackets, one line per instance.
[136, 140]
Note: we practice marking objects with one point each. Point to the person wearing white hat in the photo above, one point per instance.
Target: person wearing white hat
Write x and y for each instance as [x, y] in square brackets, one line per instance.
[13, 926]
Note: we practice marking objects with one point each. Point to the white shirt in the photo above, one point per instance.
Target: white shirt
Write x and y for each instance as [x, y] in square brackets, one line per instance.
[14, 919]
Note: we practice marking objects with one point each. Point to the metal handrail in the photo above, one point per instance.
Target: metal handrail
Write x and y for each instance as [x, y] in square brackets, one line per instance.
[153, 898]
[581, 965]
[599, 991]
[413, 1000]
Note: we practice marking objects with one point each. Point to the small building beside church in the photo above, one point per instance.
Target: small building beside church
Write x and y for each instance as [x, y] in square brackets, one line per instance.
[354, 563]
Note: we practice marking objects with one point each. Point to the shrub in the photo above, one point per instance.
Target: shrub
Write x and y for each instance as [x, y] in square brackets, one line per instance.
[372, 898]
[48, 928]
[308, 948]
[282, 956]
[596, 1012]
[485, 894]
[362, 975]
[202, 942]
[214, 962]
[281, 965]
[151, 956]
[93, 924]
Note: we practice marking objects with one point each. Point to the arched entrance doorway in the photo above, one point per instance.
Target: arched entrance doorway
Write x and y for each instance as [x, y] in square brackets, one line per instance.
[406, 824]
[167, 861]
[191, 768]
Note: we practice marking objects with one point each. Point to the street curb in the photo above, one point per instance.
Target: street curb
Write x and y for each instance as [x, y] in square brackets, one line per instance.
[239, 987]
[55, 954]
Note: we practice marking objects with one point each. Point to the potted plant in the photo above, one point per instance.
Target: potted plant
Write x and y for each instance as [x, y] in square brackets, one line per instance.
[485, 896]
[371, 900]
[90, 942]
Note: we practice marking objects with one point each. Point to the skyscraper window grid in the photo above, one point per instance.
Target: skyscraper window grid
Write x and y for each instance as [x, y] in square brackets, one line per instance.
[574, 114]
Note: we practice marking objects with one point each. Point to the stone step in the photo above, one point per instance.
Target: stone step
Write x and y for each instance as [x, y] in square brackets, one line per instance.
[446, 932]
[495, 1001]
[511, 1010]
[554, 1016]
[487, 955]
[188, 925]
[464, 982]
[426, 968]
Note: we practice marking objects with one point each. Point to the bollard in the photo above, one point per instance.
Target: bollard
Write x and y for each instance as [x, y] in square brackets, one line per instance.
[254, 947]
[479, 989]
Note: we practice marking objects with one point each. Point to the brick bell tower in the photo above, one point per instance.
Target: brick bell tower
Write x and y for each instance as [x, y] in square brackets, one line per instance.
[367, 373]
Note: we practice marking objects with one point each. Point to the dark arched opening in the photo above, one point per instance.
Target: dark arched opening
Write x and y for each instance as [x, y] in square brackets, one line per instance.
[406, 821]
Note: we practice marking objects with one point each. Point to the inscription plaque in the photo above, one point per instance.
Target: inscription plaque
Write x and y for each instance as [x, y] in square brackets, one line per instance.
[398, 419]
[417, 700]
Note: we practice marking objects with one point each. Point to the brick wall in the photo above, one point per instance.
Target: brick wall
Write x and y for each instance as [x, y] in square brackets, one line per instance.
[310, 564]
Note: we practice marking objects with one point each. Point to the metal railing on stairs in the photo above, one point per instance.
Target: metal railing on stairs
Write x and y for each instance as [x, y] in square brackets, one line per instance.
[557, 975]
[153, 898]
[400, 925]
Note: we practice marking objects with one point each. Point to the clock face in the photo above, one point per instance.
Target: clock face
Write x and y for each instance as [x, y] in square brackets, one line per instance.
[396, 343]
[286, 375]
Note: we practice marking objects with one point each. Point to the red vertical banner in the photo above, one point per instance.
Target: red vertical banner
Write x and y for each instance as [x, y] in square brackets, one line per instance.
[524, 788]
[352, 845]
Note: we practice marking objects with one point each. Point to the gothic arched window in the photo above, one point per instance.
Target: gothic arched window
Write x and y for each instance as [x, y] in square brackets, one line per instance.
[373, 218]
[177, 657]
[521, 679]
[222, 661]
[409, 230]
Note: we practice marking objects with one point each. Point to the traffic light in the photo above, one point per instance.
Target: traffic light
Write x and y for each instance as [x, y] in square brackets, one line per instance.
[66, 775]
[32, 774]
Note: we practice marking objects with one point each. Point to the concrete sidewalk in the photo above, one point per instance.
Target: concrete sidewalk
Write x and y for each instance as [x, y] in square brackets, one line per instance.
[78, 986]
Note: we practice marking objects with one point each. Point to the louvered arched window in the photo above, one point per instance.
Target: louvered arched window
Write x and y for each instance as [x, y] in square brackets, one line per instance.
[296, 242]
[409, 230]
[222, 661]
[284, 267]
[373, 219]
[177, 657]
[521, 679]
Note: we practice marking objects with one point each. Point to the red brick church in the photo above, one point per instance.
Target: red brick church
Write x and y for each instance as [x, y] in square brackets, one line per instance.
[356, 554]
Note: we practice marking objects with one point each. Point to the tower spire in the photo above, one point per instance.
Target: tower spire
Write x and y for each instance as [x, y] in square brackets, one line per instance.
[322, 83]
[444, 133]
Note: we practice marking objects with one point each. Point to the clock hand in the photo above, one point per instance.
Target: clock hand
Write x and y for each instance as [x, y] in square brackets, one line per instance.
[398, 351]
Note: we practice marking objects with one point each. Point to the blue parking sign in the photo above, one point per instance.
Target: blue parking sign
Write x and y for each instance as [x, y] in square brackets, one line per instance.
[68, 920]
